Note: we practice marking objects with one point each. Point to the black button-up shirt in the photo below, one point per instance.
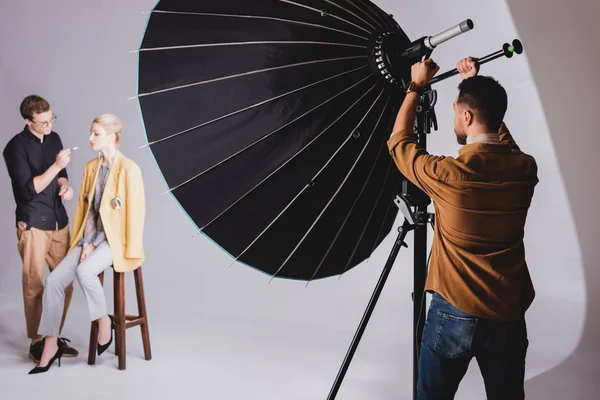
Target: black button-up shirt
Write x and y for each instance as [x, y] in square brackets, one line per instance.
[26, 157]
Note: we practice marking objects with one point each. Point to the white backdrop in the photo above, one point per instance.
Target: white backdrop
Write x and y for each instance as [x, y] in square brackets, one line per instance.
[223, 333]
[563, 57]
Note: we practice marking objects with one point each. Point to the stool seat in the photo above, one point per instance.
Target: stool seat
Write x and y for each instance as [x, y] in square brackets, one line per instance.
[122, 320]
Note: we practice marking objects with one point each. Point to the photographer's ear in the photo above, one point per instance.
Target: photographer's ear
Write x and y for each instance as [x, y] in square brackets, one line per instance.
[468, 117]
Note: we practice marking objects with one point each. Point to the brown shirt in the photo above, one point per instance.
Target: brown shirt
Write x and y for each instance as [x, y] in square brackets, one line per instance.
[481, 200]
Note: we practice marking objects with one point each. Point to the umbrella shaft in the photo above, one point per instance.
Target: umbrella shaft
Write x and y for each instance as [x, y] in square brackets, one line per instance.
[419, 278]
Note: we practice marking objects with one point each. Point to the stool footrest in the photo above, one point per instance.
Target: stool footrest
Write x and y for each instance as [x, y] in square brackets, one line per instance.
[129, 317]
[134, 322]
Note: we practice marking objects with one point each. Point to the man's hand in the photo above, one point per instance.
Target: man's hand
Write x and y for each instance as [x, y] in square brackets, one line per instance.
[422, 72]
[66, 192]
[88, 248]
[468, 67]
[63, 158]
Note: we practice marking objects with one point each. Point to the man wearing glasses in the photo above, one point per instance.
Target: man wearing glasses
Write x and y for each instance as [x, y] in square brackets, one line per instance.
[36, 163]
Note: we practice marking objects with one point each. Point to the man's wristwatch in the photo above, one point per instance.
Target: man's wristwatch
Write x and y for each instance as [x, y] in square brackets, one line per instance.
[413, 87]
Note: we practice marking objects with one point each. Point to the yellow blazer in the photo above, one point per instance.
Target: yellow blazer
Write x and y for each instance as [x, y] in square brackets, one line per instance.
[124, 225]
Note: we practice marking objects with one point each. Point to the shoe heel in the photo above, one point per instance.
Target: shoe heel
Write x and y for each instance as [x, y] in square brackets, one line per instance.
[38, 369]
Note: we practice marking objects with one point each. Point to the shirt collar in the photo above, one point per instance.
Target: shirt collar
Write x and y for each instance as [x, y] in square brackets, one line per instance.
[483, 148]
[490, 138]
[31, 136]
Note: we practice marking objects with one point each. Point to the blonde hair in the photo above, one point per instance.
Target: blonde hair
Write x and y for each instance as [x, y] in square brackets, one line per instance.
[112, 124]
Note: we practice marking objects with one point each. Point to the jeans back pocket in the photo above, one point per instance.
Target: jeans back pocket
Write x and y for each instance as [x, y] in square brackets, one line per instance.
[454, 335]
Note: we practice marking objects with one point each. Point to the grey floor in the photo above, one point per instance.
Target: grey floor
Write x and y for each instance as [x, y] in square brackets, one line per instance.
[274, 342]
[221, 358]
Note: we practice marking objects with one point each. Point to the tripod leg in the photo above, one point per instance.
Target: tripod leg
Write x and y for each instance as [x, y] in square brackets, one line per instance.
[420, 275]
[406, 227]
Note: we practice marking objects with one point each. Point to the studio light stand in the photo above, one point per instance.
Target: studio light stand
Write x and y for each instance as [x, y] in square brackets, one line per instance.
[394, 65]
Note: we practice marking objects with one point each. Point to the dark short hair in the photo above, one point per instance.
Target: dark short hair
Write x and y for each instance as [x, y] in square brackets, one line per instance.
[486, 98]
[33, 104]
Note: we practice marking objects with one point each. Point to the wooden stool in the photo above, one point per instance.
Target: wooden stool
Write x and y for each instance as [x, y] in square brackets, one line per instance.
[122, 320]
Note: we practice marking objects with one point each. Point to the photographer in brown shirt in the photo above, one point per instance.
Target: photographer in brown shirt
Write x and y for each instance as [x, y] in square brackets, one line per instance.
[478, 275]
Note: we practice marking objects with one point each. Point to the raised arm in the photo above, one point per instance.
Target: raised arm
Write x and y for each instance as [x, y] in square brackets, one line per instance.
[20, 172]
[412, 160]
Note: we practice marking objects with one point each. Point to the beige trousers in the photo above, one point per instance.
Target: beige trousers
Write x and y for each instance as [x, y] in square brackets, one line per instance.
[38, 247]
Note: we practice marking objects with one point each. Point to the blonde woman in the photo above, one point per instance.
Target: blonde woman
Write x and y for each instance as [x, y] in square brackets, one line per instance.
[107, 231]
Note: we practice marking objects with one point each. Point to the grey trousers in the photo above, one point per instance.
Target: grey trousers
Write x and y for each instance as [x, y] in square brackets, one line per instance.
[87, 275]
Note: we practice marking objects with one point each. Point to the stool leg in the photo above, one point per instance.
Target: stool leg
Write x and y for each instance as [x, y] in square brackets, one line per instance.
[94, 334]
[119, 293]
[141, 301]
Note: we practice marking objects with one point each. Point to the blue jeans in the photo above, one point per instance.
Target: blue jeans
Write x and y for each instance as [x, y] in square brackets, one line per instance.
[451, 338]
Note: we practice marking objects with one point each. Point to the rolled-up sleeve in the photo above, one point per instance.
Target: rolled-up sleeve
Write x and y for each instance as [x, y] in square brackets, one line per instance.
[19, 171]
[413, 161]
[63, 172]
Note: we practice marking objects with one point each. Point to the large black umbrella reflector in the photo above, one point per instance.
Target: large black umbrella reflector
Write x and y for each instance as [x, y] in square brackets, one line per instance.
[268, 120]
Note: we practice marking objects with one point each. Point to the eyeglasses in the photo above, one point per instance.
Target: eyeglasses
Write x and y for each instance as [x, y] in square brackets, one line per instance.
[46, 124]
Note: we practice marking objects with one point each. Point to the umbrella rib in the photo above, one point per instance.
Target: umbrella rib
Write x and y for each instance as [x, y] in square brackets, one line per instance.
[275, 131]
[191, 46]
[341, 185]
[258, 71]
[377, 21]
[382, 22]
[329, 14]
[283, 165]
[261, 182]
[238, 111]
[385, 17]
[367, 223]
[387, 211]
[351, 13]
[355, 200]
[263, 17]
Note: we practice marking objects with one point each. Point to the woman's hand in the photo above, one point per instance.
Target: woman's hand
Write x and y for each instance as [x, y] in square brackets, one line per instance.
[88, 248]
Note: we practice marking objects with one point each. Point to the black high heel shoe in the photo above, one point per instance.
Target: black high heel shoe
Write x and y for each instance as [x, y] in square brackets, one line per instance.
[102, 348]
[39, 370]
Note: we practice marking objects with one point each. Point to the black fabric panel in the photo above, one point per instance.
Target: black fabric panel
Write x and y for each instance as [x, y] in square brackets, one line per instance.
[185, 156]
[167, 69]
[381, 211]
[367, 14]
[261, 206]
[288, 230]
[235, 171]
[266, 8]
[387, 22]
[168, 113]
[185, 29]
[382, 219]
[341, 11]
[310, 254]
[244, 172]
[355, 208]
